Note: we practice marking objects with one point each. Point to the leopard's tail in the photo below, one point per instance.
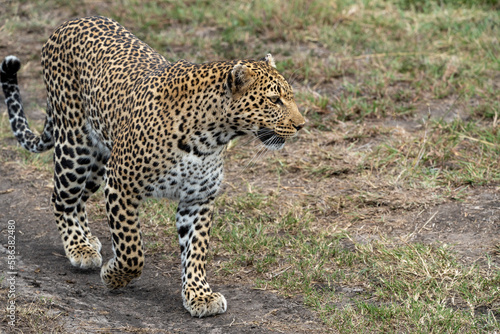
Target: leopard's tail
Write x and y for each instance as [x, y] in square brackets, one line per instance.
[18, 122]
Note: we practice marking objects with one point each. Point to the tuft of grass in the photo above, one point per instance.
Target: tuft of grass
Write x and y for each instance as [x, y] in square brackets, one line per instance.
[419, 288]
[157, 218]
[39, 315]
[456, 153]
[41, 162]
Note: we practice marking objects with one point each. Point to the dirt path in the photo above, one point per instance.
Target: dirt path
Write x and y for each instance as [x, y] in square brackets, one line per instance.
[61, 298]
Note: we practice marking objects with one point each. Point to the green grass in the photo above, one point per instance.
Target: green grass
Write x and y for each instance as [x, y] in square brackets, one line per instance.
[402, 103]
[42, 162]
[456, 153]
[157, 219]
[400, 286]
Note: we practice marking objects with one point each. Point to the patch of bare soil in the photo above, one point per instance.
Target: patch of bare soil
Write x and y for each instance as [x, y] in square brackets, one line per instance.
[470, 226]
[66, 299]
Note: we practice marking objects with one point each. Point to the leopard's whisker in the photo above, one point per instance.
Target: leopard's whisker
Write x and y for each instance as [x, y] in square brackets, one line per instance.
[262, 148]
[258, 136]
[250, 140]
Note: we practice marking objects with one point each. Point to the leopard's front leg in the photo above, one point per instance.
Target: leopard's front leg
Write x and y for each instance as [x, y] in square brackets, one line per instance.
[128, 260]
[194, 221]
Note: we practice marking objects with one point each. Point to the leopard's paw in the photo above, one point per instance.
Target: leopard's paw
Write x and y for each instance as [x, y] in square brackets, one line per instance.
[114, 278]
[84, 256]
[95, 243]
[204, 306]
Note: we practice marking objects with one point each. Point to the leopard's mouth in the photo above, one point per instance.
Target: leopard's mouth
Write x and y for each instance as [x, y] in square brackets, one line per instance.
[270, 138]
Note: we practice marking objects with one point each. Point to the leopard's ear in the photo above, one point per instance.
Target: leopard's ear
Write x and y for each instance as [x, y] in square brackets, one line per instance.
[270, 60]
[239, 79]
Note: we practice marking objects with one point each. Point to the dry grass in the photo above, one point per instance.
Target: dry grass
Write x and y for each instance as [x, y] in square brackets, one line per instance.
[40, 315]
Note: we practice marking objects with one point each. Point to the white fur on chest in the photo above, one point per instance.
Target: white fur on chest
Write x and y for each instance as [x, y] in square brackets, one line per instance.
[191, 178]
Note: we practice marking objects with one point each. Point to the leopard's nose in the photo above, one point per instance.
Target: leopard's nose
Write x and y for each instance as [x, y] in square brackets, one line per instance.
[299, 126]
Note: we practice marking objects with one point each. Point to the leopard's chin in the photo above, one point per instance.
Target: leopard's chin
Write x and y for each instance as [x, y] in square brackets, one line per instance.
[270, 139]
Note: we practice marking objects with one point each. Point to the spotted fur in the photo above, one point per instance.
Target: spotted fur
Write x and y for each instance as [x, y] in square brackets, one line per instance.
[117, 110]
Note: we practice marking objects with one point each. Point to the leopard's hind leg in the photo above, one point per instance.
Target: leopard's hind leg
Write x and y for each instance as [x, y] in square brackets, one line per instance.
[78, 173]
[78, 167]
[96, 171]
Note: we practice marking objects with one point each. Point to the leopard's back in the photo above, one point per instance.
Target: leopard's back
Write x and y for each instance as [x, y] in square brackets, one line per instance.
[90, 68]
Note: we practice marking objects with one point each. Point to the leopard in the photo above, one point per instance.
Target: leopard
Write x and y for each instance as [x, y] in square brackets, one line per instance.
[120, 114]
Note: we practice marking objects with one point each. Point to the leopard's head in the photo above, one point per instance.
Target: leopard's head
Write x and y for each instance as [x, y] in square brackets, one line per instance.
[262, 102]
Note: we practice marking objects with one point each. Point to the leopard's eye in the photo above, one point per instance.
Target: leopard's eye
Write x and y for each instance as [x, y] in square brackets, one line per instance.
[274, 99]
